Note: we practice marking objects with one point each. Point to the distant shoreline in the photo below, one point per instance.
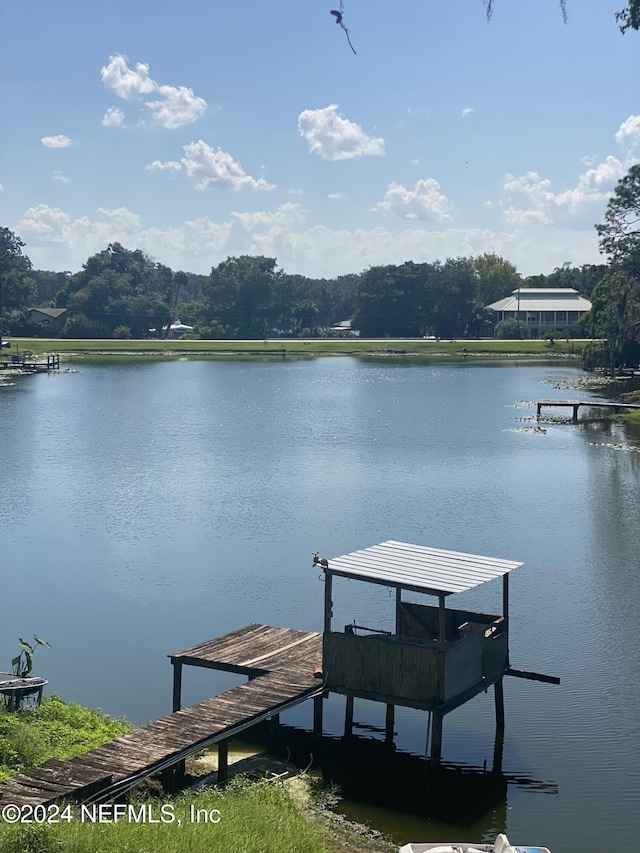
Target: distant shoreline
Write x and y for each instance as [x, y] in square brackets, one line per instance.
[301, 348]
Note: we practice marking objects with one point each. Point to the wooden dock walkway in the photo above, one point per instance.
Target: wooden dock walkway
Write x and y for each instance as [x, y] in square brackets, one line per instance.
[280, 664]
[592, 404]
[27, 362]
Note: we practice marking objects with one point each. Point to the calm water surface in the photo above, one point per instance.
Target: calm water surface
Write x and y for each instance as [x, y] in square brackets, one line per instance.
[147, 507]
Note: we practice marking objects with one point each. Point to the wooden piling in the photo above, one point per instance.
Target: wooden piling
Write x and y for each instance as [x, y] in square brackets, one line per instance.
[317, 716]
[223, 760]
[436, 739]
[498, 695]
[348, 717]
[274, 725]
[177, 685]
[389, 724]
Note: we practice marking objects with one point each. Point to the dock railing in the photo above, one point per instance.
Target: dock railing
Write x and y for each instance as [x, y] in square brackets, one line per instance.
[409, 668]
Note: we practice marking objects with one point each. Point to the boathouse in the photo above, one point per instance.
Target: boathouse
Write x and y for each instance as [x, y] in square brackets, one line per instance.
[437, 657]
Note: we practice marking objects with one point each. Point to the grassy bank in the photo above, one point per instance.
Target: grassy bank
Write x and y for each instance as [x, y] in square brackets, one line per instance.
[297, 348]
[54, 730]
[255, 817]
[248, 817]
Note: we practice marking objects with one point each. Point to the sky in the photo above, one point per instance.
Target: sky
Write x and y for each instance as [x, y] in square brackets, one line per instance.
[199, 130]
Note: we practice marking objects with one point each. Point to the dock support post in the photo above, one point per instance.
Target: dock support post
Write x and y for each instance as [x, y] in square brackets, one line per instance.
[274, 725]
[223, 760]
[575, 412]
[317, 716]
[388, 725]
[498, 750]
[442, 624]
[177, 684]
[328, 579]
[348, 717]
[436, 739]
[505, 609]
[498, 695]
[172, 778]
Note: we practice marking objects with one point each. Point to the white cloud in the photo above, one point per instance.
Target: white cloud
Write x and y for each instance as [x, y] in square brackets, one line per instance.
[571, 206]
[466, 111]
[60, 141]
[178, 108]
[170, 166]
[113, 118]
[58, 176]
[629, 129]
[58, 241]
[266, 232]
[333, 137]
[338, 196]
[207, 167]
[424, 201]
[127, 83]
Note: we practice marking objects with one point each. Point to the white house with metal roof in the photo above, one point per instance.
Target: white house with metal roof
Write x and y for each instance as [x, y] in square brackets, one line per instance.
[543, 308]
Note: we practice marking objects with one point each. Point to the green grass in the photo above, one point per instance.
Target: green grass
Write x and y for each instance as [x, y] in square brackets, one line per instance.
[292, 347]
[55, 729]
[253, 818]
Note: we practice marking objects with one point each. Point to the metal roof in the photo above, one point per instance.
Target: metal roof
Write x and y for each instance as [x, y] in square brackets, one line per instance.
[542, 299]
[419, 568]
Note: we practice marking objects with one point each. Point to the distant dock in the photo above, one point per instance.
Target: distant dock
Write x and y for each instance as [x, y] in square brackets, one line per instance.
[27, 362]
[589, 404]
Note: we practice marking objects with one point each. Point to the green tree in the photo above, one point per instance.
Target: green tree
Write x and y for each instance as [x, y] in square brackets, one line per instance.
[510, 330]
[620, 232]
[495, 278]
[615, 316]
[583, 279]
[17, 286]
[627, 18]
[390, 301]
[238, 295]
[118, 287]
[615, 301]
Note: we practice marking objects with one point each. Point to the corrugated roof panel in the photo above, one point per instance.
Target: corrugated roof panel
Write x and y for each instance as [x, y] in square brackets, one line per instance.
[421, 568]
[560, 299]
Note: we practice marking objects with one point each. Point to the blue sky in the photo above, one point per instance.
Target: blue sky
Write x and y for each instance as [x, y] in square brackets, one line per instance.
[199, 130]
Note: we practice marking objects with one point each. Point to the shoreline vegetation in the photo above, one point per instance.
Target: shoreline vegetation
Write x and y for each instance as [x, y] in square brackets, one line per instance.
[77, 348]
[263, 815]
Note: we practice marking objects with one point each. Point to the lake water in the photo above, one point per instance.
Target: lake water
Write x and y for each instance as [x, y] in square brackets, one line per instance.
[150, 506]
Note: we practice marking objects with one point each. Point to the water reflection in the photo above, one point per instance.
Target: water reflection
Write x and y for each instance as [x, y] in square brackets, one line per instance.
[377, 782]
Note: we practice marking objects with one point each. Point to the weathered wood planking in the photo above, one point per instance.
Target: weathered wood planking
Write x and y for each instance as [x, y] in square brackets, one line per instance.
[256, 647]
[282, 662]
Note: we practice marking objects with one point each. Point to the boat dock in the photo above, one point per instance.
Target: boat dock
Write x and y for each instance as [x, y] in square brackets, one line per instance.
[590, 404]
[27, 362]
[279, 663]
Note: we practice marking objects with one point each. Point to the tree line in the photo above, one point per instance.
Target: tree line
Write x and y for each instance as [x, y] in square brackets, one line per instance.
[125, 293]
